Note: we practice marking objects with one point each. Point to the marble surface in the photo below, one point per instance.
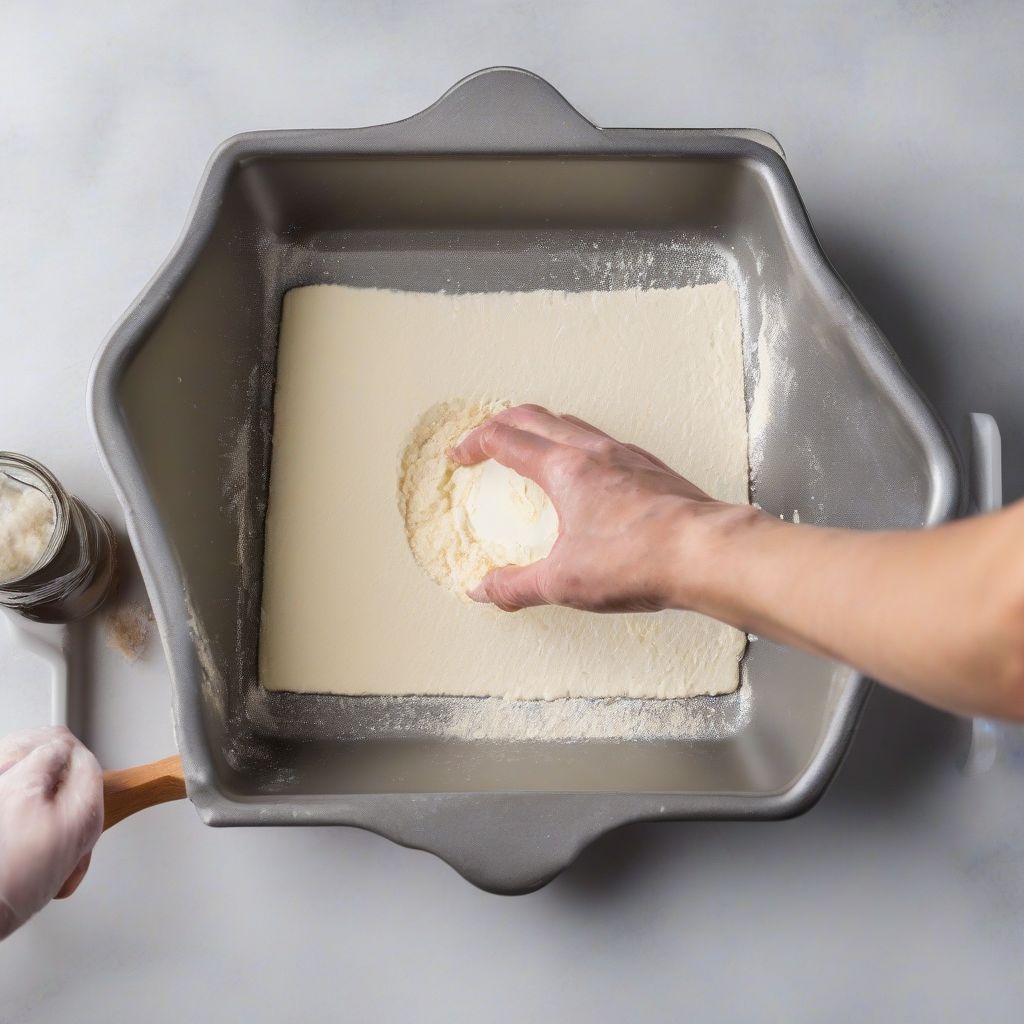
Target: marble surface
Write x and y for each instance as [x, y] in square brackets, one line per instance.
[901, 896]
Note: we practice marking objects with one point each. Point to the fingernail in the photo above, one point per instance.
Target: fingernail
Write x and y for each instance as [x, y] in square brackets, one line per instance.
[453, 453]
[478, 593]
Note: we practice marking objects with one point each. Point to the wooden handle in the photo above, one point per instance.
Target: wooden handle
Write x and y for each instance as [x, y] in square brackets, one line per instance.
[127, 790]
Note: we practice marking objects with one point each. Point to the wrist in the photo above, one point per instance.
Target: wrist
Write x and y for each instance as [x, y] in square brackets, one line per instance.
[707, 535]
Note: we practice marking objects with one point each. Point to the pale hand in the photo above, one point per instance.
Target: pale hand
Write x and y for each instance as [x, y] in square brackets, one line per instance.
[51, 814]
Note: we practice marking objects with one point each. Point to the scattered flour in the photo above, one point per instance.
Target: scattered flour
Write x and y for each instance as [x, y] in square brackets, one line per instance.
[774, 380]
[127, 629]
[610, 718]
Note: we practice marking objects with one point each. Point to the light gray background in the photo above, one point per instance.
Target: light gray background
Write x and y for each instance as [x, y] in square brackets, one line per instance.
[902, 895]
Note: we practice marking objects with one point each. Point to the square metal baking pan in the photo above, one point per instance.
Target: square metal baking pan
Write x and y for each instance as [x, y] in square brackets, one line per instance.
[500, 185]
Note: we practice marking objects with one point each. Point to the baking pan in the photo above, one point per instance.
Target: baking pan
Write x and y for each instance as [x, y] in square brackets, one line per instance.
[499, 185]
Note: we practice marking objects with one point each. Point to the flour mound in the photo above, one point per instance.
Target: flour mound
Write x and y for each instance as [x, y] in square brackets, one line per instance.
[463, 521]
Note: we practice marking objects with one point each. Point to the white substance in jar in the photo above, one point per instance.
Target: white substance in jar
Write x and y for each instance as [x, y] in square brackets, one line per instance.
[27, 521]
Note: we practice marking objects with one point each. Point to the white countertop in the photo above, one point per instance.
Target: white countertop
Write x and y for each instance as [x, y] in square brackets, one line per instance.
[901, 895]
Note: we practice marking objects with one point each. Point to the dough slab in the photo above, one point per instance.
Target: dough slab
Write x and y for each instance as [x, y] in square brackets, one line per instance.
[346, 609]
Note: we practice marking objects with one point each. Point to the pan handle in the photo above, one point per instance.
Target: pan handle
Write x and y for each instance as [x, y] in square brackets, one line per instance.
[127, 790]
[987, 496]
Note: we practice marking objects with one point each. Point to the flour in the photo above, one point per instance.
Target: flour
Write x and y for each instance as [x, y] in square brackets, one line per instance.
[774, 380]
[27, 521]
[573, 719]
[346, 606]
[126, 628]
[463, 521]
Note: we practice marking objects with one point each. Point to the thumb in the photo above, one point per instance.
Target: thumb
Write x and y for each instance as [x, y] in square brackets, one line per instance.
[72, 882]
[511, 588]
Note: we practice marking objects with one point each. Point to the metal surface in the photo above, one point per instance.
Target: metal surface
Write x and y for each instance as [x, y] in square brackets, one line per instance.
[498, 185]
[986, 494]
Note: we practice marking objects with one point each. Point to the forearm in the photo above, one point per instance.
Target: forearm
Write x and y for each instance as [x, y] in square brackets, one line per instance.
[938, 613]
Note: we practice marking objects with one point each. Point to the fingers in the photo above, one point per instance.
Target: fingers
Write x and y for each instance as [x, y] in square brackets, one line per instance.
[653, 459]
[63, 774]
[520, 450]
[540, 422]
[42, 769]
[643, 452]
[16, 746]
[587, 426]
[561, 429]
[512, 588]
[51, 814]
[82, 796]
[74, 880]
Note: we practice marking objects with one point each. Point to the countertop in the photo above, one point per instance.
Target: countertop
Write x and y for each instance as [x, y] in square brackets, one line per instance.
[901, 895]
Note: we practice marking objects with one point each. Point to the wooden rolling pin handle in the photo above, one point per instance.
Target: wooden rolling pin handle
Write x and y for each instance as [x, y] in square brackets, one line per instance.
[127, 790]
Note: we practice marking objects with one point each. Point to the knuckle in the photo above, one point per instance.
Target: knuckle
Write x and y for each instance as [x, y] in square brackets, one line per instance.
[573, 582]
[496, 589]
[568, 591]
[505, 600]
[566, 462]
[636, 451]
[490, 435]
[549, 589]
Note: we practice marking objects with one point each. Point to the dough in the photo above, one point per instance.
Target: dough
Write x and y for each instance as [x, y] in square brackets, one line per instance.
[463, 521]
[346, 607]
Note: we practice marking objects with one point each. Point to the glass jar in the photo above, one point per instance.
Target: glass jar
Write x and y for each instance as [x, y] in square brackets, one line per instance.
[77, 569]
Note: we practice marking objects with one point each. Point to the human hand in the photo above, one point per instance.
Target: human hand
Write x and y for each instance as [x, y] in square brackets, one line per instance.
[944, 618]
[621, 513]
[51, 814]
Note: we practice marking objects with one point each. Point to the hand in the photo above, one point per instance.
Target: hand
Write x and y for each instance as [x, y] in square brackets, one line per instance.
[51, 814]
[938, 613]
[620, 512]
